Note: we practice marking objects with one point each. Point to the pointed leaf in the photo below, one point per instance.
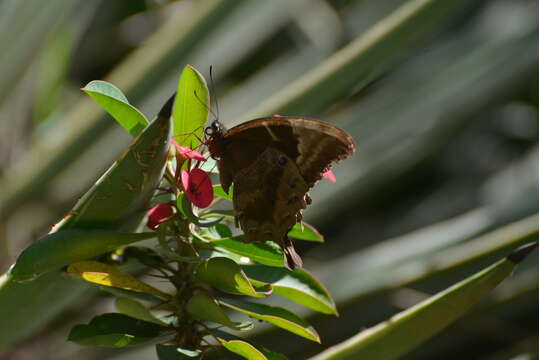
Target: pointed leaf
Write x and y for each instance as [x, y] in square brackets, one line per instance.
[110, 98]
[108, 275]
[267, 253]
[245, 348]
[203, 307]
[120, 198]
[218, 191]
[173, 352]
[298, 286]
[115, 330]
[275, 315]
[190, 111]
[58, 249]
[391, 339]
[250, 351]
[307, 233]
[227, 276]
[136, 310]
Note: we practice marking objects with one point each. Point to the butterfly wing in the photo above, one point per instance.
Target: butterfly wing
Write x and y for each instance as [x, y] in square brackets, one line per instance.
[268, 196]
[273, 162]
[313, 145]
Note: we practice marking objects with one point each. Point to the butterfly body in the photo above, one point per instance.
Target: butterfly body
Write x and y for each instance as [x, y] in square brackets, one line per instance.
[273, 162]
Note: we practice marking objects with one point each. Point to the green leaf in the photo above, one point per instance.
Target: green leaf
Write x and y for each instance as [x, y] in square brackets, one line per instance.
[110, 98]
[120, 198]
[146, 256]
[218, 191]
[115, 330]
[173, 352]
[216, 232]
[275, 315]
[250, 351]
[247, 349]
[190, 111]
[203, 307]
[128, 293]
[108, 275]
[58, 249]
[116, 201]
[306, 232]
[136, 310]
[227, 276]
[186, 208]
[267, 253]
[391, 339]
[298, 286]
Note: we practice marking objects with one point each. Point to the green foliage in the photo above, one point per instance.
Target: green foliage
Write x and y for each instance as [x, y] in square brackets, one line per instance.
[190, 108]
[110, 98]
[56, 250]
[444, 115]
[115, 330]
[391, 339]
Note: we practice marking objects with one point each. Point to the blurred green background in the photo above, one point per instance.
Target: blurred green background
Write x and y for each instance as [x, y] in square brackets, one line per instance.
[441, 97]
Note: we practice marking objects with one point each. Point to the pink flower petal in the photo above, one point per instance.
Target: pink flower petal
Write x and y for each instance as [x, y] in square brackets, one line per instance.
[185, 179]
[330, 176]
[198, 187]
[159, 214]
[188, 153]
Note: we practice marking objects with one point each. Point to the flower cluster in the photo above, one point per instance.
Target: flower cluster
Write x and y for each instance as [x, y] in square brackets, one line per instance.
[195, 183]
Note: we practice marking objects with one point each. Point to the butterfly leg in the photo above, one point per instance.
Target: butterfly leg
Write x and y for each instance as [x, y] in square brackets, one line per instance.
[292, 259]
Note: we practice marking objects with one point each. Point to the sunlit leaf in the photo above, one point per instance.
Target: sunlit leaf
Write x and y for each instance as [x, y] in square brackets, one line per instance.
[275, 315]
[227, 276]
[110, 98]
[191, 107]
[298, 286]
[220, 192]
[58, 249]
[305, 232]
[267, 253]
[108, 275]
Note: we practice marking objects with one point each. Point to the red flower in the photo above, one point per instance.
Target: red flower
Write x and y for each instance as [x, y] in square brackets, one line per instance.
[159, 214]
[198, 187]
[330, 176]
[187, 153]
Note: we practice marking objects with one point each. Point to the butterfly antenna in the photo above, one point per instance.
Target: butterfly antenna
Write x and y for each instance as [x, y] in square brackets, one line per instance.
[213, 93]
[205, 105]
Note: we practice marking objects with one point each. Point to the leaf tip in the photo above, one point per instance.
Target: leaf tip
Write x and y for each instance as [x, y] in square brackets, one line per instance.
[520, 253]
[166, 110]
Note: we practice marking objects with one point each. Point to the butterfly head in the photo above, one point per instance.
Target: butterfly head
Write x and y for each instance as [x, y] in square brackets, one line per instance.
[216, 128]
[215, 133]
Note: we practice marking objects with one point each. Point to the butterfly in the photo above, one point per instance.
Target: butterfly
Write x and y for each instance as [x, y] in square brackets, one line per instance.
[273, 162]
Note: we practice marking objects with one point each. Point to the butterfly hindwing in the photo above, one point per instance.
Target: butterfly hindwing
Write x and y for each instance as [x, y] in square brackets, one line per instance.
[269, 195]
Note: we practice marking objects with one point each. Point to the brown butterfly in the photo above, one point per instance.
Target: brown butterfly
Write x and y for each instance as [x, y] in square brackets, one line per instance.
[273, 162]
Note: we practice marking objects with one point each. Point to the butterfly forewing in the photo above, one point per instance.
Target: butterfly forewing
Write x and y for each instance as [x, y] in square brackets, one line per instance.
[313, 145]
